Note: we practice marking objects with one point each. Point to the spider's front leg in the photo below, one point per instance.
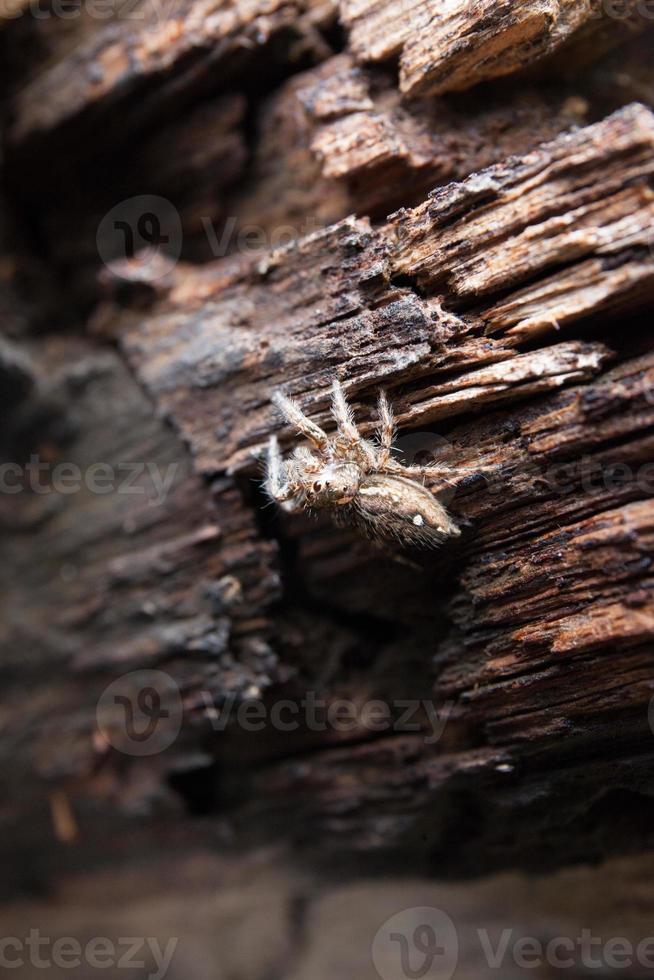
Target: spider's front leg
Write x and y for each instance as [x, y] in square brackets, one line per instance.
[386, 431]
[277, 486]
[350, 443]
[294, 414]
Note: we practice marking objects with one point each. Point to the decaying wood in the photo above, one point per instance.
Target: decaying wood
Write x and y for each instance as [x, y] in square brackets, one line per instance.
[466, 42]
[102, 60]
[550, 582]
[503, 307]
[122, 580]
[336, 140]
[537, 213]
[337, 285]
[358, 147]
[209, 154]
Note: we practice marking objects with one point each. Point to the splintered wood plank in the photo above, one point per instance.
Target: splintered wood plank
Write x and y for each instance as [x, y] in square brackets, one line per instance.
[382, 146]
[557, 539]
[452, 46]
[339, 140]
[585, 194]
[391, 338]
[288, 318]
[591, 288]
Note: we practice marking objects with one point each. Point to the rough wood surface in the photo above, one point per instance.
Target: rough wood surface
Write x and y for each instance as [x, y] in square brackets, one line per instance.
[97, 61]
[364, 149]
[503, 305]
[453, 48]
[537, 213]
[288, 314]
[515, 632]
[127, 578]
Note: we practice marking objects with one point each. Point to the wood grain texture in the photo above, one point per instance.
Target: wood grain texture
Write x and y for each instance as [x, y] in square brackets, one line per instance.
[287, 315]
[533, 634]
[384, 148]
[101, 61]
[504, 309]
[459, 44]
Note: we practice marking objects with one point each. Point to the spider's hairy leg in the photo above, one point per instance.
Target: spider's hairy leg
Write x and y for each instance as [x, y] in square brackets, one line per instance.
[351, 443]
[294, 414]
[386, 428]
[439, 471]
[275, 484]
[343, 413]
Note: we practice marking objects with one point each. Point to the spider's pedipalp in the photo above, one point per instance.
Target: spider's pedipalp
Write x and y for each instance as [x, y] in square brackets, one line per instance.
[343, 413]
[302, 454]
[294, 414]
[302, 464]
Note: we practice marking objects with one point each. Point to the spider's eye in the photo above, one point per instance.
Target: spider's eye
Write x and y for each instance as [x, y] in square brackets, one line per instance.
[318, 487]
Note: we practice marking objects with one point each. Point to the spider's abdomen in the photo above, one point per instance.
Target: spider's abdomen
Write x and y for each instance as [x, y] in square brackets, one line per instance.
[398, 508]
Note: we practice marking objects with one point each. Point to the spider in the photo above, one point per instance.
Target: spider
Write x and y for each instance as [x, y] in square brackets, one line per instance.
[357, 481]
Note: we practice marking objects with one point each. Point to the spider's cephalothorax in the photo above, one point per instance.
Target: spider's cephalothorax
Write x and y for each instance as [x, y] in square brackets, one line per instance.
[355, 480]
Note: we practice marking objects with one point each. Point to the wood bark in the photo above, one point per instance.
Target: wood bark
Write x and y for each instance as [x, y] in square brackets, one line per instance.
[487, 260]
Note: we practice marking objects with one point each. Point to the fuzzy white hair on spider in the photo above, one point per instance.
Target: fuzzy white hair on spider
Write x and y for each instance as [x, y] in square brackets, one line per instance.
[355, 480]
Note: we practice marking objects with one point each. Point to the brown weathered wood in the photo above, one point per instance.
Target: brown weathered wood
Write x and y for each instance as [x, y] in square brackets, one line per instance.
[453, 48]
[539, 212]
[99, 61]
[358, 147]
[550, 582]
[289, 314]
[128, 579]
[503, 306]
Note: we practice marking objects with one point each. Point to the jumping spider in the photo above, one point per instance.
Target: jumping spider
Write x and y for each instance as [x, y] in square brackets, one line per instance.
[357, 481]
